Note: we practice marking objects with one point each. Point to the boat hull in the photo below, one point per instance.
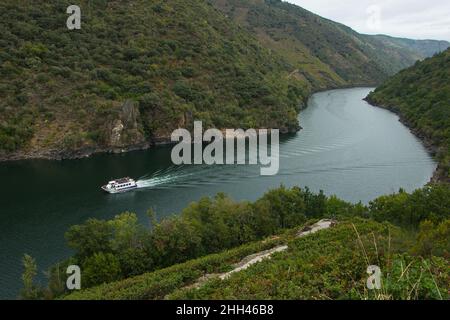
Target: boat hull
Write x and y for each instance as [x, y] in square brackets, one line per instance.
[112, 191]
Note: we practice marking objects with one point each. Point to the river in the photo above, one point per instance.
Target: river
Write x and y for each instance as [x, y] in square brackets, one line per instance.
[346, 147]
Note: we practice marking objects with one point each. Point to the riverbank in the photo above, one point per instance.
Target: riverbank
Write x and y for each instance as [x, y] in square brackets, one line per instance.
[88, 151]
[85, 152]
[420, 96]
[430, 145]
[341, 150]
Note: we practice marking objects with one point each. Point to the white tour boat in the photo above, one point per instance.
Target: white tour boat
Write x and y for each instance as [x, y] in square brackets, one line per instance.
[120, 185]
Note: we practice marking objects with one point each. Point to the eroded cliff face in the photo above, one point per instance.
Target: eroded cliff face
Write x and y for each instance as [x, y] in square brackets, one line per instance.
[126, 131]
[116, 133]
[120, 131]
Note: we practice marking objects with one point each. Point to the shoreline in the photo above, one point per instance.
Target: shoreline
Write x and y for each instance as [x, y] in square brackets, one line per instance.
[87, 152]
[431, 147]
[82, 153]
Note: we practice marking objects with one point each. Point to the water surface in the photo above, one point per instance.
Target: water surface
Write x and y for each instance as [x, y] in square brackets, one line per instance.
[346, 147]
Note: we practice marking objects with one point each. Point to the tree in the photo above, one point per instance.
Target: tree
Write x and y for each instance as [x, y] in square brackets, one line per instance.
[92, 237]
[100, 268]
[30, 291]
[127, 233]
[287, 206]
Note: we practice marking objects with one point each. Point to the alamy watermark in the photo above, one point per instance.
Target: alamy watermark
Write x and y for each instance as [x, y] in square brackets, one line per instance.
[374, 279]
[73, 281]
[74, 20]
[374, 17]
[235, 153]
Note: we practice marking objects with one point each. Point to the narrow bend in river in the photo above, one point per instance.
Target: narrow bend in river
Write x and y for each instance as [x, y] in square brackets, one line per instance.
[347, 148]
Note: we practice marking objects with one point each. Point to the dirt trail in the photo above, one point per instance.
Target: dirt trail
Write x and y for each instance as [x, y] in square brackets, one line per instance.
[259, 256]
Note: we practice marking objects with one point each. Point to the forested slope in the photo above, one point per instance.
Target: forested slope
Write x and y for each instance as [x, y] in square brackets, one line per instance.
[134, 72]
[324, 49]
[139, 69]
[421, 96]
[124, 259]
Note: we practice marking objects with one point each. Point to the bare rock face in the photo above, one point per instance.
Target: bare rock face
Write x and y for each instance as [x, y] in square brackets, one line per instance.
[125, 131]
[116, 133]
[130, 114]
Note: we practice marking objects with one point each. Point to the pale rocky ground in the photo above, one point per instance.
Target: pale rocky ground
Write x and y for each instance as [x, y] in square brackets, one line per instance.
[262, 255]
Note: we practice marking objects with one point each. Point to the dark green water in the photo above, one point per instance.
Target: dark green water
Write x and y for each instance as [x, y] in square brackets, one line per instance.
[347, 148]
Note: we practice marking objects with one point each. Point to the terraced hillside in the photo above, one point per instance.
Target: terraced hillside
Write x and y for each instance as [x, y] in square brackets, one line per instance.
[321, 48]
[327, 264]
[289, 244]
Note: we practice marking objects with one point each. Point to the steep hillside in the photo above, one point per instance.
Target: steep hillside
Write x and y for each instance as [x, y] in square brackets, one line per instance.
[321, 48]
[139, 69]
[328, 264]
[134, 72]
[425, 48]
[331, 264]
[217, 238]
[421, 96]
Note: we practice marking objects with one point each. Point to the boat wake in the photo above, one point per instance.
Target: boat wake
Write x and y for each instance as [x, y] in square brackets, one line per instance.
[160, 177]
[190, 176]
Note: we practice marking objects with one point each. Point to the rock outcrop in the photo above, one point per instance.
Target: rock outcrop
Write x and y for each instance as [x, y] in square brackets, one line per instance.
[126, 131]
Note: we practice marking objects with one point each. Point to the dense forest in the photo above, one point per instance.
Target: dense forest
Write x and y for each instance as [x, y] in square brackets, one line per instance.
[421, 96]
[137, 70]
[414, 226]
